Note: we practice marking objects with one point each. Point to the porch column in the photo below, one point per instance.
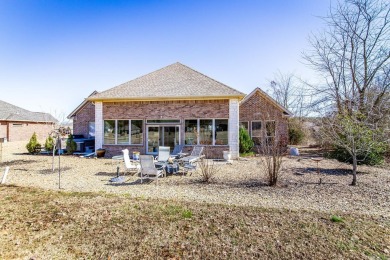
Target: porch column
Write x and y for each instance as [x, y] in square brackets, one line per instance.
[234, 127]
[98, 125]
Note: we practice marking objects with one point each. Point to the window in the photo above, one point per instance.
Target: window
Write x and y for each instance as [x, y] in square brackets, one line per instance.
[91, 129]
[123, 131]
[256, 132]
[109, 132]
[206, 131]
[244, 125]
[191, 132]
[270, 129]
[136, 132]
[221, 132]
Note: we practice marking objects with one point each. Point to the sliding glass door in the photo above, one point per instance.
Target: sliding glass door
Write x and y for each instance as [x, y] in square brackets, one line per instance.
[162, 136]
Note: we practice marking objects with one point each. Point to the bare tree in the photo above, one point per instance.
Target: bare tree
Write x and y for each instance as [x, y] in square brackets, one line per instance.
[287, 90]
[353, 57]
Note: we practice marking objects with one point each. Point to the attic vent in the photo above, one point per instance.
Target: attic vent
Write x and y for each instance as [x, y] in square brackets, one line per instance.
[17, 125]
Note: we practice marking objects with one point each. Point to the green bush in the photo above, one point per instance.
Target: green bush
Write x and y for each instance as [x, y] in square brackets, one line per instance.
[33, 146]
[246, 143]
[375, 157]
[296, 135]
[71, 145]
[49, 144]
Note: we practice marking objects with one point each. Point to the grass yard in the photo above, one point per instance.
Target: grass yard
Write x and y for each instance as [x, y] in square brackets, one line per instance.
[42, 224]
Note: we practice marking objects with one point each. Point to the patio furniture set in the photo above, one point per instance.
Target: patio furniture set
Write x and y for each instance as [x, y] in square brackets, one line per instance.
[149, 167]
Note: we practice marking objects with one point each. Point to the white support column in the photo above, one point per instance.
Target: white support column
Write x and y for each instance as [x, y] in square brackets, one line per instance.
[98, 125]
[234, 127]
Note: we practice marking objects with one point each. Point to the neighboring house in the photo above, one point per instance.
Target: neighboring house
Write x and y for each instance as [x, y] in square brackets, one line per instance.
[264, 118]
[173, 105]
[18, 124]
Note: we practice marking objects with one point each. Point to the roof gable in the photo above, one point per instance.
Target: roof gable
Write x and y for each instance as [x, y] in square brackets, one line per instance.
[82, 104]
[9, 112]
[175, 81]
[269, 98]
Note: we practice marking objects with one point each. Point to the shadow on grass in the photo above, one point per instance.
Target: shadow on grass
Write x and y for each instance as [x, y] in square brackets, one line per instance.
[107, 173]
[335, 172]
[131, 183]
[49, 171]
[17, 162]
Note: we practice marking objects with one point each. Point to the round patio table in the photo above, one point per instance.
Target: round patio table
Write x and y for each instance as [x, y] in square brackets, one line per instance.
[171, 168]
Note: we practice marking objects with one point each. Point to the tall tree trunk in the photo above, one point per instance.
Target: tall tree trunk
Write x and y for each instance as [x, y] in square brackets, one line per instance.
[354, 170]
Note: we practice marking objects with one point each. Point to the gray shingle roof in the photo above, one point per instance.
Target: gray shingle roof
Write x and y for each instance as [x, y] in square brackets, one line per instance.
[174, 81]
[9, 112]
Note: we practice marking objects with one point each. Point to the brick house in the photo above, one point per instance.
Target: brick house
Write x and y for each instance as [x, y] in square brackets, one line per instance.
[170, 106]
[264, 118]
[18, 124]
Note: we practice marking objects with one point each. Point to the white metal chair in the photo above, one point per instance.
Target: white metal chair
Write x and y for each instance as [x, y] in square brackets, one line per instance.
[196, 154]
[148, 169]
[130, 166]
[163, 153]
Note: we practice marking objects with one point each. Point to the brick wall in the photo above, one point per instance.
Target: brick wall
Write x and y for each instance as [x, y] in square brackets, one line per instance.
[22, 131]
[166, 109]
[81, 121]
[3, 129]
[145, 110]
[261, 109]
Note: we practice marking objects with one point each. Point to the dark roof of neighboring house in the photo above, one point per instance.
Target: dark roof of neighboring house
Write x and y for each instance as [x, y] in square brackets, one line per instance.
[77, 109]
[268, 97]
[9, 112]
[173, 82]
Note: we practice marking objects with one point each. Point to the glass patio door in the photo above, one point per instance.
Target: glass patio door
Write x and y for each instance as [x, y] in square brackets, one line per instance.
[162, 136]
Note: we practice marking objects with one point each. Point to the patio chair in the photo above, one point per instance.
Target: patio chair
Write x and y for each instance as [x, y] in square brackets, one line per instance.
[148, 170]
[196, 154]
[176, 151]
[130, 166]
[163, 153]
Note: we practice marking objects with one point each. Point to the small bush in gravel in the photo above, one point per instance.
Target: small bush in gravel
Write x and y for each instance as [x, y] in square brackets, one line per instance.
[71, 145]
[33, 146]
[208, 168]
[49, 144]
[271, 160]
[296, 133]
[245, 141]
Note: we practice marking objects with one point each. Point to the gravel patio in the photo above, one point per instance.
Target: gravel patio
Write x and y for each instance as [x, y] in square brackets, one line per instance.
[241, 183]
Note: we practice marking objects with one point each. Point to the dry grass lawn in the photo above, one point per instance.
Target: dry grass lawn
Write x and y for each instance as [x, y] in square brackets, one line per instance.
[66, 225]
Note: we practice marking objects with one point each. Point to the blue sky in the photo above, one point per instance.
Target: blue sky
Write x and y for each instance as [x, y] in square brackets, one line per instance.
[53, 54]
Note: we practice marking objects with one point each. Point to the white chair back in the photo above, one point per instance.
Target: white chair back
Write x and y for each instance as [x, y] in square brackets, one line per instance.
[126, 158]
[163, 153]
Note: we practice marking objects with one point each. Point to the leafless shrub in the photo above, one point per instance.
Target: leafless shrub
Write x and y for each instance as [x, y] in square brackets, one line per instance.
[271, 160]
[208, 168]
